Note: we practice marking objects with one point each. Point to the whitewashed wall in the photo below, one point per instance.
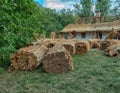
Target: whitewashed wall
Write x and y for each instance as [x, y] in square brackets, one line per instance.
[89, 35]
[104, 34]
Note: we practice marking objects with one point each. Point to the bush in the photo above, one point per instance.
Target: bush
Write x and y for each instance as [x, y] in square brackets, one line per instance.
[19, 20]
[1, 70]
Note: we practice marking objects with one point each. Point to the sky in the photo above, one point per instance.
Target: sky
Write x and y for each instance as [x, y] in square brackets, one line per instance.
[58, 4]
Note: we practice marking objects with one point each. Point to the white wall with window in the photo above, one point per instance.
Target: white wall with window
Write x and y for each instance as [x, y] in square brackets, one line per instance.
[84, 35]
[88, 35]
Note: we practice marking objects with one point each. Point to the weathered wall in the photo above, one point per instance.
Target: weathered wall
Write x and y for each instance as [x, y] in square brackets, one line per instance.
[104, 34]
[89, 35]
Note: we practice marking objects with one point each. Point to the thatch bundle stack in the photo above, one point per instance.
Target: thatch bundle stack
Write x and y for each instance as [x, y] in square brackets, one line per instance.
[57, 60]
[73, 40]
[52, 35]
[60, 41]
[95, 43]
[107, 43]
[113, 50]
[111, 35]
[28, 58]
[46, 42]
[69, 46]
[82, 47]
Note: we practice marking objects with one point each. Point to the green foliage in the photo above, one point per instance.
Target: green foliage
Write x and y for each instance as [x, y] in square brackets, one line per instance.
[83, 9]
[116, 9]
[103, 6]
[51, 22]
[19, 19]
[66, 17]
[1, 70]
[55, 21]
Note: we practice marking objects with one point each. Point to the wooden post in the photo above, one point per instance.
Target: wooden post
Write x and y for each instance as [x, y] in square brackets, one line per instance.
[52, 35]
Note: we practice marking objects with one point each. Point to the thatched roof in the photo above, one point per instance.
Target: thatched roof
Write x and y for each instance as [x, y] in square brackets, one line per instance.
[92, 27]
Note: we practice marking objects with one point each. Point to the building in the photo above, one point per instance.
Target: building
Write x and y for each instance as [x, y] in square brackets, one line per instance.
[88, 28]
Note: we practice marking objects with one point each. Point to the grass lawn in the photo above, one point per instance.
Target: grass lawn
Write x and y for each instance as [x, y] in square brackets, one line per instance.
[93, 73]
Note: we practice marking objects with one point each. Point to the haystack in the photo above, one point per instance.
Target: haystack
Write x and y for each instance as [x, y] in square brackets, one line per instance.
[57, 60]
[27, 58]
[46, 42]
[69, 46]
[95, 43]
[107, 43]
[113, 50]
[82, 47]
[111, 35]
[52, 35]
[60, 41]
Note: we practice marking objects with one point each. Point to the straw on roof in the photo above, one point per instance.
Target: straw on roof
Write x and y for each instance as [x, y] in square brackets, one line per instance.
[92, 27]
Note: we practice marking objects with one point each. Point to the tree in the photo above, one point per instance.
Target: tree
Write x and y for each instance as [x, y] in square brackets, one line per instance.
[51, 22]
[19, 20]
[66, 17]
[22, 20]
[103, 6]
[56, 21]
[116, 9]
[83, 9]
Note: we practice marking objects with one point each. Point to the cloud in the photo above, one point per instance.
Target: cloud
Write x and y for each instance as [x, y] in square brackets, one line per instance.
[93, 8]
[60, 4]
[69, 0]
[54, 4]
[69, 4]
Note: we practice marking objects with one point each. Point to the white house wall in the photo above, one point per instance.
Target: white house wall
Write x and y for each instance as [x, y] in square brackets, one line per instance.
[89, 35]
[78, 35]
[104, 34]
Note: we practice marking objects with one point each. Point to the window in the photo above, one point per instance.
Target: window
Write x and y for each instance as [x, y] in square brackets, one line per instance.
[83, 35]
[100, 34]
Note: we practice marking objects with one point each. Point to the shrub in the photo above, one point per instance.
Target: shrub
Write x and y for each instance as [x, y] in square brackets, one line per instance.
[19, 20]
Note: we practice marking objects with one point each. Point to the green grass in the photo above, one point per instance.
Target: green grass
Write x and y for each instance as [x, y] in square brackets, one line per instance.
[93, 73]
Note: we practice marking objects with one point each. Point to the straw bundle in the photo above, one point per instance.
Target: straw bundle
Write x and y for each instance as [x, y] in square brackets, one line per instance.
[95, 43]
[82, 47]
[112, 34]
[69, 46]
[107, 43]
[27, 58]
[52, 35]
[57, 60]
[113, 50]
[46, 42]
